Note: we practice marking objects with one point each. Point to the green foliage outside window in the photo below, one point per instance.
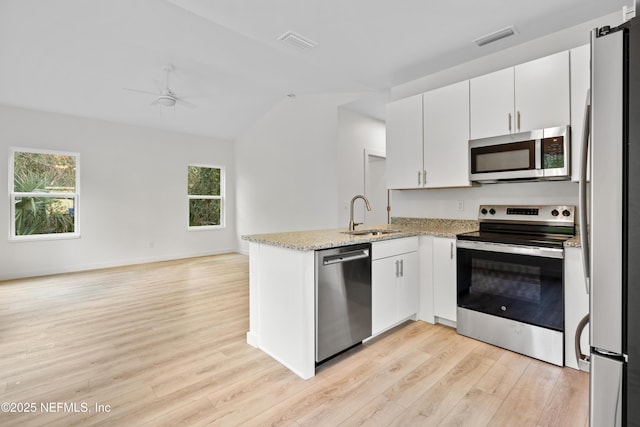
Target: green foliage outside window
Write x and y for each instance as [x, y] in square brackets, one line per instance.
[46, 184]
[205, 199]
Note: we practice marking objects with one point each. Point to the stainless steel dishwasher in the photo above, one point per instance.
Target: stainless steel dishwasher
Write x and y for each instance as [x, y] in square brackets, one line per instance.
[343, 298]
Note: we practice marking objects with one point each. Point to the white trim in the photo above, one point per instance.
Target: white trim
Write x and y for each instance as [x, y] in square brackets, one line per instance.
[59, 195]
[368, 152]
[221, 197]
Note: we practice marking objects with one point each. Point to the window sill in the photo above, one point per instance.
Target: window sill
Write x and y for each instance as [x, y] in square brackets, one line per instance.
[206, 227]
[43, 237]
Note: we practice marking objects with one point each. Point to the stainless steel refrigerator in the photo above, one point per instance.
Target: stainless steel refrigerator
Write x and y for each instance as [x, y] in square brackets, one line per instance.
[614, 233]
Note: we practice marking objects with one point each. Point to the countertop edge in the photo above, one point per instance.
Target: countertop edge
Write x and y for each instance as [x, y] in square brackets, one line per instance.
[330, 238]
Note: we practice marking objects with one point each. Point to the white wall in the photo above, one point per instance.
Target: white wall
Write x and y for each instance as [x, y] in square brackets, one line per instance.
[443, 203]
[287, 167]
[133, 194]
[556, 42]
[356, 133]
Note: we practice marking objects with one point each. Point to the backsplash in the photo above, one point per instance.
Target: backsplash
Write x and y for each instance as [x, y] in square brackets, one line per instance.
[445, 203]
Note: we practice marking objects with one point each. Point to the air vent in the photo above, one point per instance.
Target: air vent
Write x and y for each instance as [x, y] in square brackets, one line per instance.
[297, 41]
[496, 35]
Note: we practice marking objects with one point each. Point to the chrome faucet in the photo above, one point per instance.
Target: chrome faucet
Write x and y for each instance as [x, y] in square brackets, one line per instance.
[352, 225]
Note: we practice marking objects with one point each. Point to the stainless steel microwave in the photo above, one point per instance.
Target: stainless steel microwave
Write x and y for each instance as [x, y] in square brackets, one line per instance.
[538, 155]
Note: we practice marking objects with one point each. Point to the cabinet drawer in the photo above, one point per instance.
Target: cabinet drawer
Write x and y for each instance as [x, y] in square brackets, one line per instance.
[391, 247]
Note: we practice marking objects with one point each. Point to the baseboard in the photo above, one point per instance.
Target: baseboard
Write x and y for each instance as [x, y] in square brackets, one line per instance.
[108, 264]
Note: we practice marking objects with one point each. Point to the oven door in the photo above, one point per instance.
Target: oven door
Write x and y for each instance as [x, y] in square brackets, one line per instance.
[520, 283]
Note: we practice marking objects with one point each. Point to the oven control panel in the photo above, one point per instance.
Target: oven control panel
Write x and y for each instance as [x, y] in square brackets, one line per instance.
[564, 214]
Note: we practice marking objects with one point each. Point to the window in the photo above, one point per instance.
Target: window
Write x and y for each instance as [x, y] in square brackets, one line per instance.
[43, 191]
[205, 189]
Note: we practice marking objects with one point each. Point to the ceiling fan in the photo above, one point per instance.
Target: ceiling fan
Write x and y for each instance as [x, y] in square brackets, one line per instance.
[166, 97]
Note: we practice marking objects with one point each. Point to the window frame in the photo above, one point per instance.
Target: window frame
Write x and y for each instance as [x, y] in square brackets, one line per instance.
[221, 197]
[12, 195]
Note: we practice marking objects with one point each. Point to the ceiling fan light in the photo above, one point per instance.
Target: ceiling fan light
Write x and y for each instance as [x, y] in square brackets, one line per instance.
[167, 101]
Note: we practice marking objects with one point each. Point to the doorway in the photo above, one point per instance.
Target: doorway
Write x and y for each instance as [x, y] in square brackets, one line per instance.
[375, 187]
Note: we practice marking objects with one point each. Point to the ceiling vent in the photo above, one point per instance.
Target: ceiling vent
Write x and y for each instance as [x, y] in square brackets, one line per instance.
[496, 35]
[297, 41]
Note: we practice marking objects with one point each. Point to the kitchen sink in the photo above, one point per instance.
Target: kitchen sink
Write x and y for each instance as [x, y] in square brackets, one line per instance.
[371, 232]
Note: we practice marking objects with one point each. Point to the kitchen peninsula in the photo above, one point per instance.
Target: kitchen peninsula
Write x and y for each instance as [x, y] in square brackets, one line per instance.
[282, 277]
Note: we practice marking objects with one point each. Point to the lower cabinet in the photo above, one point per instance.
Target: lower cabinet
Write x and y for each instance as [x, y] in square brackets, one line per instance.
[444, 280]
[394, 281]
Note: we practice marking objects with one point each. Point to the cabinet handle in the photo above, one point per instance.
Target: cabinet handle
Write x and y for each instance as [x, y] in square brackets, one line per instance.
[397, 268]
[419, 174]
[518, 120]
[451, 253]
[509, 122]
[401, 268]
[424, 177]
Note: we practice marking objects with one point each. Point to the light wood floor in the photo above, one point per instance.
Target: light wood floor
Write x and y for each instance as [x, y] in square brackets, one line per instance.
[164, 344]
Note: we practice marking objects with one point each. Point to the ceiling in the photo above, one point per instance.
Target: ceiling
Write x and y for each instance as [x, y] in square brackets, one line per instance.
[76, 56]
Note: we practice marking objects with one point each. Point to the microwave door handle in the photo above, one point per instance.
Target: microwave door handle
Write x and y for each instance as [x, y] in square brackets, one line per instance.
[582, 191]
[538, 154]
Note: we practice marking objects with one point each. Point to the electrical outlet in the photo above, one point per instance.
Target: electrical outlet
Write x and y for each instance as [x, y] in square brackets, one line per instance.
[460, 205]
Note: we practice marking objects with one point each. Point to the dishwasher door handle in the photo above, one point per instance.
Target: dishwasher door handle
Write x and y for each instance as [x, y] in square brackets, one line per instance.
[345, 257]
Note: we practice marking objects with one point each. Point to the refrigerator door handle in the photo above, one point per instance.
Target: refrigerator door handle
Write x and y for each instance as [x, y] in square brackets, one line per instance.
[582, 194]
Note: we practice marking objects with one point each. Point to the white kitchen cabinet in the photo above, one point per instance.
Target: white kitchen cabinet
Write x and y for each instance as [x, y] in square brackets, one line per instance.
[576, 305]
[444, 280]
[408, 291]
[529, 96]
[491, 104]
[446, 136]
[580, 84]
[282, 305]
[427, 139]
[404, 143]
[394, 282]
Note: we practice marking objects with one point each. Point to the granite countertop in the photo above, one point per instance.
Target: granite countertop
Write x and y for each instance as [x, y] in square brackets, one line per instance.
[403, 227]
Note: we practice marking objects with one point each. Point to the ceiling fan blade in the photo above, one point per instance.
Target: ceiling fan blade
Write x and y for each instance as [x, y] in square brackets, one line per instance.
[140, 91]
[185, 103]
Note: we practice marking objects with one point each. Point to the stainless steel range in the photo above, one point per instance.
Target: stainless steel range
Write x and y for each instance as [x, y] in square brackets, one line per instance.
[510, 279]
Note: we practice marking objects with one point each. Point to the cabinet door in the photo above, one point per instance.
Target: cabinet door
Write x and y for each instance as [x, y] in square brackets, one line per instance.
[408, 293]
[446, 136]
[491, 104]
[542, 93]
[444, 278]
[404, 143]
[580, 83]
[383, 294]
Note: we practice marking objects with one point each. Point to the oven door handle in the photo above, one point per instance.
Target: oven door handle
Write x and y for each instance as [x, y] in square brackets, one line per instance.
[511, 249]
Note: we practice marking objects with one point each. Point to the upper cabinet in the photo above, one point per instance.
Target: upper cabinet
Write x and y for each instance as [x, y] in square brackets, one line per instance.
[404, 143]
[427, 136]
[446, 136]
[491, 104]
[529, 96]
